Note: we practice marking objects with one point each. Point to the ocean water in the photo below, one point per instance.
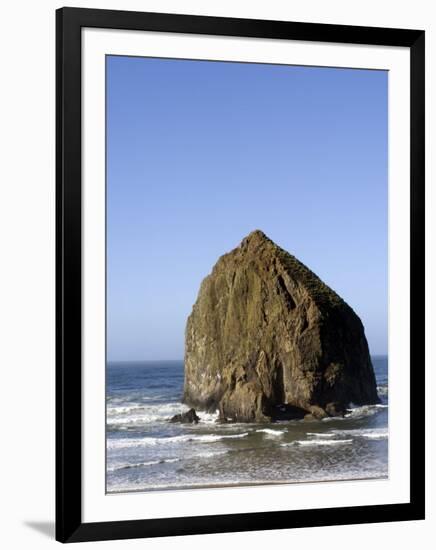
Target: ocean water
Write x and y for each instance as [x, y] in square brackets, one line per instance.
[145, 452]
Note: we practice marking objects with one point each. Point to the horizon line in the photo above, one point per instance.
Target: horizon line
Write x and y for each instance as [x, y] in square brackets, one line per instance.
[181, 359]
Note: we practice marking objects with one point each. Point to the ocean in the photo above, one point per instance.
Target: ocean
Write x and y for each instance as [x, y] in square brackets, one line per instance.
[145, 452]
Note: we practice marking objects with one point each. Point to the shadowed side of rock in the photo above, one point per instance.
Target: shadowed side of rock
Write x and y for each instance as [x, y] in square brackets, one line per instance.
[267, 336]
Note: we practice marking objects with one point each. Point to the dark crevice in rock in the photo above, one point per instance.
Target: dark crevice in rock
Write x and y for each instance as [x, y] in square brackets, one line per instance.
[290, 303]
[284, 411]
[304, 323]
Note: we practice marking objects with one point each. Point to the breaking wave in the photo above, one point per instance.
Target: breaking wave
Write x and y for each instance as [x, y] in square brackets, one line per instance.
[327, 435]
[367, 433]
[142, 464]
[270, 432]
[136, 415]
[365, 410]
[146, 441]
[316, 442]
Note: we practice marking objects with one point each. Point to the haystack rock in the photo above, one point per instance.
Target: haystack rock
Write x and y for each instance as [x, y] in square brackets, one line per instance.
[267, 340]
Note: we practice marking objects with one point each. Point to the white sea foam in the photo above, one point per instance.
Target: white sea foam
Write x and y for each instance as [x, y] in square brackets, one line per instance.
[211, 438]
[270, 432]
[382, 390]
[210, 454]
[127, 466]
[208, 418]
[324, 442]
[138, 414]
[358, 412]
[316, 442]
[151, 441]
[368, 433]
[117, 467]
[322, 435]
[141, 442]
[380, 435]
[365, 410]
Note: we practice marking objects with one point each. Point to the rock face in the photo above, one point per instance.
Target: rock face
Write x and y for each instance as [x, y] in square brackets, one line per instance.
[267, 339]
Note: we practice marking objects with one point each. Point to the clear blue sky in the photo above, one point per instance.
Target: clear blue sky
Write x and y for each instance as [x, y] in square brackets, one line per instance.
[202, 153]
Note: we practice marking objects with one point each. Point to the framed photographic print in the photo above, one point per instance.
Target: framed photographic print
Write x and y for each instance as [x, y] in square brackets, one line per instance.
[240, 274]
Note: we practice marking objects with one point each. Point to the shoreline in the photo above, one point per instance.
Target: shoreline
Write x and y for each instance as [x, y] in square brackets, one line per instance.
[237, 484]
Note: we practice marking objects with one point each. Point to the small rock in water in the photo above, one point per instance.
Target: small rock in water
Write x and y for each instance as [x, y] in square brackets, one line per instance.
[189, 417]
[317, 412]
[335, 409]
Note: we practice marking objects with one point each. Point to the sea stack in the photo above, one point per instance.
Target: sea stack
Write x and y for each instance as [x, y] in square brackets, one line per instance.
[267, 339]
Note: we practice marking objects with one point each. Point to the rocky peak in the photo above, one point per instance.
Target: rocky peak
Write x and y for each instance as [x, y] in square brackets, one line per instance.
[255, 238]
[266, 334]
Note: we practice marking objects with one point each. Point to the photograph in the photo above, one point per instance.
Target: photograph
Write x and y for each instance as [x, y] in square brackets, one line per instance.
[246, 274]
[217, 275]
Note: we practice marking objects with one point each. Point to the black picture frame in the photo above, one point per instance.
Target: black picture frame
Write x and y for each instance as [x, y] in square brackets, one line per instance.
[69, 525]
